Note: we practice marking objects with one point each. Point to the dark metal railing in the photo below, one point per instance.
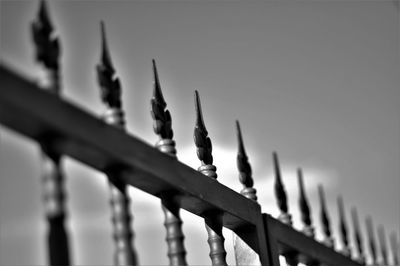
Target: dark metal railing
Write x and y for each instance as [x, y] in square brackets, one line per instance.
[36, 111]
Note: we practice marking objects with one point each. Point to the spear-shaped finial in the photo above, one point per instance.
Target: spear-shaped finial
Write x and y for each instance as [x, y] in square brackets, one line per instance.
[110, 85]
[280, 192]
[162, 118]
[382, 243]
[394, 246]
[371, 239]
[47, 46]
[304, 207]
[244, 167]
[357, 235]
[343, 227]
[201, 139]
[325, 218]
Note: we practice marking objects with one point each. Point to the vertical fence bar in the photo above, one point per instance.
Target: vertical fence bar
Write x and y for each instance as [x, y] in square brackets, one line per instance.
[281, 199]
[163, 128]
[382, 243]
[47, 55]
[308, 228]
[371, 240]
[244, 255]
[343, 227]
[214, 220]
[120, 202]
[326, 227]
[357, 236]
[394, 246]
[305, 211]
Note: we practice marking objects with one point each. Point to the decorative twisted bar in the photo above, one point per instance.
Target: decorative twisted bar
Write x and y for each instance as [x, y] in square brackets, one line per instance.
[328, 240]
[48, 51]
[382, 243]
[54, 204]
[244, 255]
[343, 228]
[308, 229]
[281, 199]
[214, 220]
[172, 220]
[357, 236]
[394, 246]
[119, 199]
[371, 240]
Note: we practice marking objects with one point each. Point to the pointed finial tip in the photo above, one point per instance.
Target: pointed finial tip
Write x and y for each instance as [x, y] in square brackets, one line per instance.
[299, 171]
[102, 29]
[239, 133]
[198, 109]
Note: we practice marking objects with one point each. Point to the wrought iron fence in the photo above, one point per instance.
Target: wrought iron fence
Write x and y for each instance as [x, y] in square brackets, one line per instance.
[62, 129]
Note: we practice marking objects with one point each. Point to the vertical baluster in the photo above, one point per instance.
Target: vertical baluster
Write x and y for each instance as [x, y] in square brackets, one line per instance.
[328, 240]
[305, 212]
[281, 198]
[243, 253]
[382, 243]
[394, 246]
[343, 228]
[214, 220]
[172, 220]
[357, 236]
[371, 240]
[308, 228]
[114, 115]
[47, 55]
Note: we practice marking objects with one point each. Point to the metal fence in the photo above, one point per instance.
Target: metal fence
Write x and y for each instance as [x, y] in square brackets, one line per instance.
[61, 129]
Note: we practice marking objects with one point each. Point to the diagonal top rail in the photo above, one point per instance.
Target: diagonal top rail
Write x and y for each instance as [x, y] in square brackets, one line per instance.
[40, 115]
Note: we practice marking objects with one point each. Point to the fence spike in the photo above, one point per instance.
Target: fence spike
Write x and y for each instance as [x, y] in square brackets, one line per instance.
[47, 47]
[109, 84]
[357, 236]
[343, 227]
[371, 239]
[328, 240]
[308, 229]
[280, 193]
[213, 222]
[47, 50]
[201, 139]
[162, 118]
[172, 220]
[120, 201]
[382, 243]
[47, 54]
[244, 167]
[394, 246]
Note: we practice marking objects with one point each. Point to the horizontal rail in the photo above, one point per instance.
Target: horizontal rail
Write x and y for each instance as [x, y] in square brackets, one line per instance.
[45, 118]
[310, 251]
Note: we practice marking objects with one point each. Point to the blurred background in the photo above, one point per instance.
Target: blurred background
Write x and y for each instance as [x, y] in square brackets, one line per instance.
[316, 81]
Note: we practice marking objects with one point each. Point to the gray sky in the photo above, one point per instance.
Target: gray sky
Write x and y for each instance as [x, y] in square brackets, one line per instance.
[316, 81]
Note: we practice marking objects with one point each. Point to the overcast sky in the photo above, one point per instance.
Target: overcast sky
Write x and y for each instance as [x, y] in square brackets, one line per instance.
[317, 81]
